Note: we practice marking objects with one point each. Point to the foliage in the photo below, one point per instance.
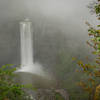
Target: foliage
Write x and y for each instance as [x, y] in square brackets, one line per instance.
[97, 93]
[9, 90]
[58, 97]
[91, 84]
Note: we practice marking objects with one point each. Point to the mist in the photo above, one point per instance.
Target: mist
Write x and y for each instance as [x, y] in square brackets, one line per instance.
[59, 29]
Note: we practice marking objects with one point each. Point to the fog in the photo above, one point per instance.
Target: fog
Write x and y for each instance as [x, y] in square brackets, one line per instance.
[59, 29]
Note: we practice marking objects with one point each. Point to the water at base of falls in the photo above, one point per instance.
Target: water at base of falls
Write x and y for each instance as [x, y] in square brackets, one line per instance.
[33, 69]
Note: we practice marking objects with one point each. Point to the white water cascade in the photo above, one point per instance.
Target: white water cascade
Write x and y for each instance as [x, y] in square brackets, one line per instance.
[27, 60]
[26, 43]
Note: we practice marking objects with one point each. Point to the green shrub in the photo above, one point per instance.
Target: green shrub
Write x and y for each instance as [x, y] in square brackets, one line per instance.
[9, 90]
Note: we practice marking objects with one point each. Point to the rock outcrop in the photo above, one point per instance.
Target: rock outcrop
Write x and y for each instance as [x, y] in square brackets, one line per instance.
[51, 94]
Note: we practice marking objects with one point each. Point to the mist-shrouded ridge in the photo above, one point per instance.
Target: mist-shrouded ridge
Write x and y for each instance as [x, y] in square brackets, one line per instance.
[27, 60]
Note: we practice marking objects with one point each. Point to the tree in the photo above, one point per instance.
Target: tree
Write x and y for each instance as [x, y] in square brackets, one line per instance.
[91, 83]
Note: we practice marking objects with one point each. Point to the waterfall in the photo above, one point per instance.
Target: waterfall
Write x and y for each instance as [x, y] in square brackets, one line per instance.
[26, 43]
[26, 48]
[30, 71]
